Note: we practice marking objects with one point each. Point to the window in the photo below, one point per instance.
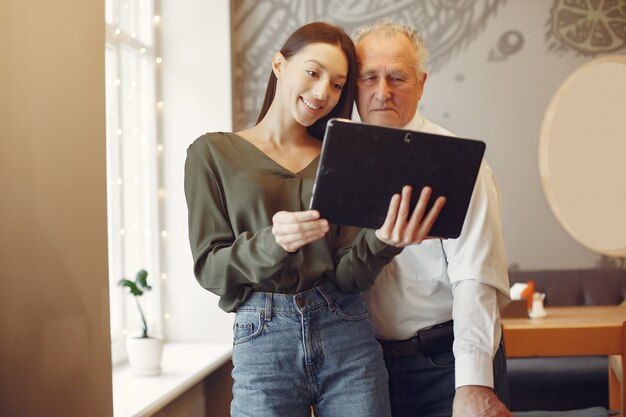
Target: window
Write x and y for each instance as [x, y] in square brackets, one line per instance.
[132, 159]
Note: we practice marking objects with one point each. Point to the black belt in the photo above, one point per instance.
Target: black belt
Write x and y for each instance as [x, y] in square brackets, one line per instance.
[428, 341]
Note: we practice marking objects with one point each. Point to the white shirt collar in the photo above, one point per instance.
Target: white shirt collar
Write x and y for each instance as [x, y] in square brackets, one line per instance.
[417, 123]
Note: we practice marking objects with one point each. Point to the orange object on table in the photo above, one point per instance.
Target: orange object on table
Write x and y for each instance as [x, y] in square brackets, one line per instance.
[528, 293]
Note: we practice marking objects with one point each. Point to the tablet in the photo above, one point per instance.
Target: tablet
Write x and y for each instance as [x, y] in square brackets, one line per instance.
[361, 166]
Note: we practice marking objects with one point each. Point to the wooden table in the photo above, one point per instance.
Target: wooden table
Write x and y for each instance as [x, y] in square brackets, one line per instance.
[574, 331]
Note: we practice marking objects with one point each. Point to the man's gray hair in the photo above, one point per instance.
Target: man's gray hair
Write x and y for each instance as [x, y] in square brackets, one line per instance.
[389, 28]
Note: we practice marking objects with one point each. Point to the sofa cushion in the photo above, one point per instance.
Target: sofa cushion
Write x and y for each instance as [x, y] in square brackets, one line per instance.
[577, 287]
[588, 412]
[558, 383]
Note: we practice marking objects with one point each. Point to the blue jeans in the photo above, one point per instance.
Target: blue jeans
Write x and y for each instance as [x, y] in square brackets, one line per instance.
[315, 348]
[422, 386]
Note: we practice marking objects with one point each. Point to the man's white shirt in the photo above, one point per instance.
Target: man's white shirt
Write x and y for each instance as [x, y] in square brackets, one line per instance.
[464, 279]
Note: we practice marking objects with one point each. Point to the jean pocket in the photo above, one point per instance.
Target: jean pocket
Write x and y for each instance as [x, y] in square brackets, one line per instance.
[247, 326]
[351, 307]
[442, 359]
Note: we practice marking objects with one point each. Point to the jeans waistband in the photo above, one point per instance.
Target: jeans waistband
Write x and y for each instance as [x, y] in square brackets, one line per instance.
[428, 341]
[270, 303]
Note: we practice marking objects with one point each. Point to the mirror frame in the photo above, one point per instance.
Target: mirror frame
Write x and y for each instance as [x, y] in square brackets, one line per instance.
[545, 160]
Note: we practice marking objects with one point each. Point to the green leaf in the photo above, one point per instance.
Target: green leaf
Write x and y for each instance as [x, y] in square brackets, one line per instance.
[142, 280]
[132, 287]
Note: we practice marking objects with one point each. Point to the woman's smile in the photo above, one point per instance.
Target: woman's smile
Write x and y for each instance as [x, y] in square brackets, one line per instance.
[310, 104]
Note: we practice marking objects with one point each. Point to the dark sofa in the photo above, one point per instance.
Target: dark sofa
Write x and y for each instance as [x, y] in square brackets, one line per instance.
[565, 383]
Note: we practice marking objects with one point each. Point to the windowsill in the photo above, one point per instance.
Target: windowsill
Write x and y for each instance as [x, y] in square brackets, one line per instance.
[183, 365]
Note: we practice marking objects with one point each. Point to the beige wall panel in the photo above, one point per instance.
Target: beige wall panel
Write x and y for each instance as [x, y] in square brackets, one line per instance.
[54, 349]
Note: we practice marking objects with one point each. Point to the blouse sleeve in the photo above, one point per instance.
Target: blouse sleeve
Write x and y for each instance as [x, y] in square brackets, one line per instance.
[223, 262]
[359, 258]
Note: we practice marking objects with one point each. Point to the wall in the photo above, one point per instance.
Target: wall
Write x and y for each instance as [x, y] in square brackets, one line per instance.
[494, 67]
[54, 322]
[196, 87]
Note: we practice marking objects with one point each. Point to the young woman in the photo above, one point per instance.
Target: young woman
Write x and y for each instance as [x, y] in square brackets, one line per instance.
[302, 336]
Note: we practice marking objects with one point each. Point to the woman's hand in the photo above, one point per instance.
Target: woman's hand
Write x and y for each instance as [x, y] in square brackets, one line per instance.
[399, 230]
[294, 229]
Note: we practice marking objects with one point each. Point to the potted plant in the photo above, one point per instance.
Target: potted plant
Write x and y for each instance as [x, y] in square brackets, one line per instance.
[144, 352]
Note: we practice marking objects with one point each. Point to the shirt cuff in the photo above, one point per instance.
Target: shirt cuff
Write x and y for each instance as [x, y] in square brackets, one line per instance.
[378, 247]
[272, 248]
[473, 369]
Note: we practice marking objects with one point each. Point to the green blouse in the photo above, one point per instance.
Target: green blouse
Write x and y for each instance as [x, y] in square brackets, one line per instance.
[233, 189]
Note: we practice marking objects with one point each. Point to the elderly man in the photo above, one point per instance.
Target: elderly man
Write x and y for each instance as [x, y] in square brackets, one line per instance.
[436, 307]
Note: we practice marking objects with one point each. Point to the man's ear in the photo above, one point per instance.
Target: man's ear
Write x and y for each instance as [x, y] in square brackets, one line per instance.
[278, 63]
[422, 83]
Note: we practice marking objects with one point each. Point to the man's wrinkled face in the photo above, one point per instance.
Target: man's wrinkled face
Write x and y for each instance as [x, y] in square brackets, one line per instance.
[388, 86]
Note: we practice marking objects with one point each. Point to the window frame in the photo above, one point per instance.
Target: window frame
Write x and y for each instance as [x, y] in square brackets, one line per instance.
[131, 89]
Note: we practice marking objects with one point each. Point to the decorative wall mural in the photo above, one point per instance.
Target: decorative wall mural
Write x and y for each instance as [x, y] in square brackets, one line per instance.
[261, 26]
[589, 27]
[509, 43]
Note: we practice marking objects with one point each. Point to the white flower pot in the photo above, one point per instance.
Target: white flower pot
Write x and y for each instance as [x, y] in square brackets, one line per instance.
[144, 355]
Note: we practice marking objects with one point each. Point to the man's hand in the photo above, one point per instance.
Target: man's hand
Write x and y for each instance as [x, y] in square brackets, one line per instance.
[478, 401]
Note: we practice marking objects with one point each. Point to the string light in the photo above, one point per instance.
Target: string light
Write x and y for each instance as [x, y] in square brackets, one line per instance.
[135, 139]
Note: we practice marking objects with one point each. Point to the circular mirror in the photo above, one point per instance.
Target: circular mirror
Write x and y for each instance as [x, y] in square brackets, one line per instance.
[582, 155]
